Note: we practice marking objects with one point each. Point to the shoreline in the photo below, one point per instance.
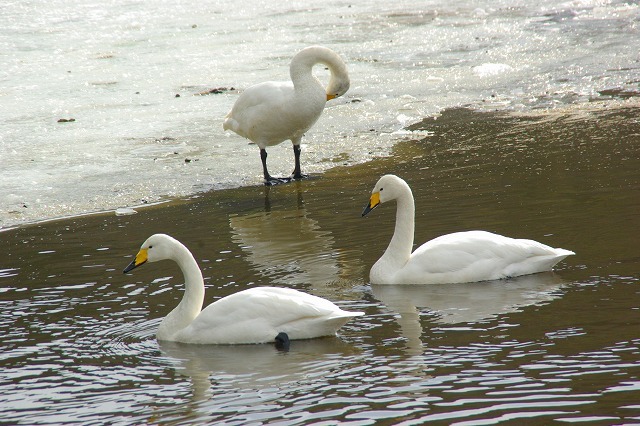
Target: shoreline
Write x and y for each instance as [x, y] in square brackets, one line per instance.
[608, 105]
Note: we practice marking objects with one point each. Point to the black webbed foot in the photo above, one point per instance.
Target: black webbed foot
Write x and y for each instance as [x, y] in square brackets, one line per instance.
[271, 181]
[298, 176]
[282, 342]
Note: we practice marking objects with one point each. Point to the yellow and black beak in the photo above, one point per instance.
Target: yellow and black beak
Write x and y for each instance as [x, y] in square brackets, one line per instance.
[330, 96]
[373, 203]
[140, 259]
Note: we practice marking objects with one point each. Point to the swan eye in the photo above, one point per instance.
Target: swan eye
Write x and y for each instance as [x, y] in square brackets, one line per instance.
[150, 247]
[381, 189]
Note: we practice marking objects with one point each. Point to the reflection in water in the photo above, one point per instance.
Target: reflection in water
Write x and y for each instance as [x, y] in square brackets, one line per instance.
[465, 302]
[254, 366]
[286, 245]
[77, 341]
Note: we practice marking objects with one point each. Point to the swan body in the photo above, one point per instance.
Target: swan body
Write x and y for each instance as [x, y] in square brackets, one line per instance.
[272, 112]
[453, 258]
[255, 315]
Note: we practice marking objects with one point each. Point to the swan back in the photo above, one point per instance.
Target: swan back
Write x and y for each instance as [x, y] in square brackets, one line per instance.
[477, 256]
[257, 315]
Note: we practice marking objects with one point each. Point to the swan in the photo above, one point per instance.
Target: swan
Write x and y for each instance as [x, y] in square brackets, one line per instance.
[453, 258]
[271, 112]
[255, 315]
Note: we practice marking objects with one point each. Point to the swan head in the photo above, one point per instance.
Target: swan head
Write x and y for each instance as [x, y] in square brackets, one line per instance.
[338, 84]
[388, 188]
[156, 247]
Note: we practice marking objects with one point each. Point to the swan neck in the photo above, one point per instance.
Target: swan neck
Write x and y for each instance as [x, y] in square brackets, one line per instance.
[193, 281]
[192, 299]
[302, 64]
[401, 243]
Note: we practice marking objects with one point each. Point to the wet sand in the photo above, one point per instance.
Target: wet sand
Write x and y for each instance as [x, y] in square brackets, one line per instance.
[567, 178]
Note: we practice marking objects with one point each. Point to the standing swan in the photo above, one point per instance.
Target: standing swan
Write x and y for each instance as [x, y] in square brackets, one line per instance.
[256, 315]
[272, 112]
[453, 258]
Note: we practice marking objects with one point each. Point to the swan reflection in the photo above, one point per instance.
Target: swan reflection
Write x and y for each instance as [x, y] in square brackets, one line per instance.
[287, 246]
[464, 303]
[255, 366]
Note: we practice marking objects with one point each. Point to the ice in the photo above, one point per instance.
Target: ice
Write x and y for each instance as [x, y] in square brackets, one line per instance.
[116, 68]
[125, 211]
[487, 70]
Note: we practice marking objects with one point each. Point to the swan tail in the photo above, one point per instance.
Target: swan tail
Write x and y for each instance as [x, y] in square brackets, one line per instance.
[341, 319]
[349, 314]
[230, 124]
[537, 264]
[309, 328]
[332, 325]
[562, 253]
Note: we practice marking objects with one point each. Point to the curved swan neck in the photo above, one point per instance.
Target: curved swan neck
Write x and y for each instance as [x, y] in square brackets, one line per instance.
[193, 281]
[193, 298]
[401, 243]
[302, 64]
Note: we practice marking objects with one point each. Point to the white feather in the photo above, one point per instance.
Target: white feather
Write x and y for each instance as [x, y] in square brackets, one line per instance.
[255, 315]
[453, 258]
[270, 113]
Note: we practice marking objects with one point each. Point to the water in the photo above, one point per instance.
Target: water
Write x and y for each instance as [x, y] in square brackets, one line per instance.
[116, 68]
[77, 336]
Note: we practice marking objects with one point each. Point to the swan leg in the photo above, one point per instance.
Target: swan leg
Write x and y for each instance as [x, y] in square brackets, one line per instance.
[268, 179]
[297, 174]
[282, 342]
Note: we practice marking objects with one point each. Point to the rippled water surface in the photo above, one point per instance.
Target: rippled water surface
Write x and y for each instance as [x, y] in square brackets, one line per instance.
[130, 74]
[77, 336]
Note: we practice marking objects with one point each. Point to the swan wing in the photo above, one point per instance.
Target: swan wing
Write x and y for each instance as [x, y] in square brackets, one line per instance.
[478, 256]
[271, 112]
[262, 95]
[255, 114]
[257, 315]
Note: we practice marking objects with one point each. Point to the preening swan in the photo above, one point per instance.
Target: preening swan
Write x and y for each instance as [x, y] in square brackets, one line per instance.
[452, 258]
[272, 112]
[255, 315]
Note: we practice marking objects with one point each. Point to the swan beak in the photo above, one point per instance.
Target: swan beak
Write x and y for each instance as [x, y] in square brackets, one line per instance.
[373, 203]
[141, 258]
[329, 97]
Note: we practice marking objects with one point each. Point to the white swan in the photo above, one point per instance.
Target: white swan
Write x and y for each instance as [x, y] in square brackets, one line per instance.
[255, 315]
[452, 258]
[272, 112]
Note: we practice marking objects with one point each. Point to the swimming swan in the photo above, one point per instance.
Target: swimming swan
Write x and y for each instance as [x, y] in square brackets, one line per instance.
[452, 258]
[255, 315]
[272, 112]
